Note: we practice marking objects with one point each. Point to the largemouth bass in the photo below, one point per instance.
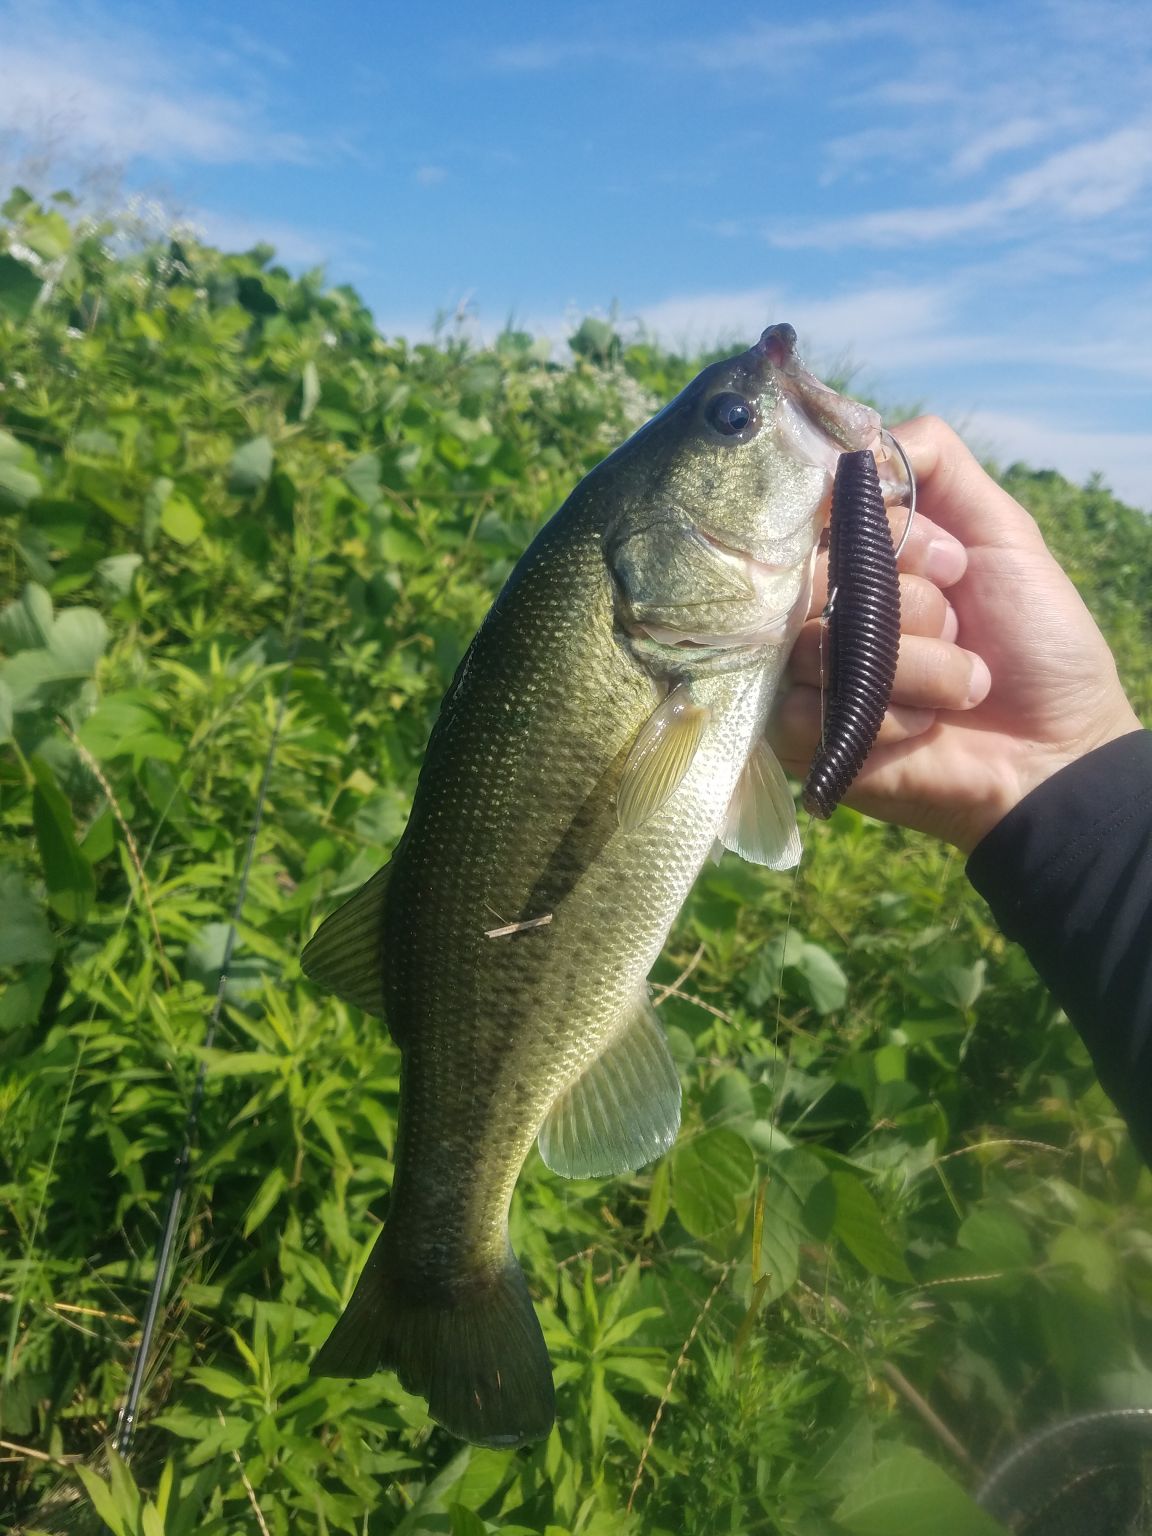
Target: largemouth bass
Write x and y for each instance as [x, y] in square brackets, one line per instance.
[604, 731]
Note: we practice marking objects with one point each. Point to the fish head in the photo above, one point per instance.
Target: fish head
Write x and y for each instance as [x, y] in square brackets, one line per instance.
[725, 493]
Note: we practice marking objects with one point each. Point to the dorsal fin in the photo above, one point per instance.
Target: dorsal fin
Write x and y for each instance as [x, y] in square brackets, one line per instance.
[624, 1111]
[345, 954]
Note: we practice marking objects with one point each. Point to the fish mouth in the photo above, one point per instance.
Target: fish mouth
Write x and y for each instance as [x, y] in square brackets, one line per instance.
[778, 345]
[844, 424]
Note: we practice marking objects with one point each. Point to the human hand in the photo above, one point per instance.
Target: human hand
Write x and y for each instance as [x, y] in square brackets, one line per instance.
[1003, 676]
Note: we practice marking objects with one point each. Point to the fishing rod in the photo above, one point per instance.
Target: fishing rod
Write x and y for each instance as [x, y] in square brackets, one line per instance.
[178, 1183]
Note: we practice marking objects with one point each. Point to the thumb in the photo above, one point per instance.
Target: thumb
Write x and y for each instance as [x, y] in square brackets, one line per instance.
[954, 491]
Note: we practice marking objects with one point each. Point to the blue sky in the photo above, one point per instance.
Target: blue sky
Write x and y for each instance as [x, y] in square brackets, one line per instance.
[957, 198]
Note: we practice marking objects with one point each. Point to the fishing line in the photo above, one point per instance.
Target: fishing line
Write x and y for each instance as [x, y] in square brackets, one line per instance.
[126, 1421]
[831, 774]
[778, 1102]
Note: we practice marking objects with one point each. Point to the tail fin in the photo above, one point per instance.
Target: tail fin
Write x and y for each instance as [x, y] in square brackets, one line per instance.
[473, 1348]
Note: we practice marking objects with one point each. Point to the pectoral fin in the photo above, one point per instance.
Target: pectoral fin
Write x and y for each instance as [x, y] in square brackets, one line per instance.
[761, 824]
[660, 757]
[625, 1110]
[345, 954]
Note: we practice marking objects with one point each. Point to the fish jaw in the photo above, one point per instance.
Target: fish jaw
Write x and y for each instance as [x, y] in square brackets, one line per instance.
[683, 588]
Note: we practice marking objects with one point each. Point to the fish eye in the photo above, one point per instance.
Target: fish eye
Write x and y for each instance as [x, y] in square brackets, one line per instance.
[733, 416]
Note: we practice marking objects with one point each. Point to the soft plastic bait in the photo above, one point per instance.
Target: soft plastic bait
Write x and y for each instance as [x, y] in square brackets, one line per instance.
[863, 630]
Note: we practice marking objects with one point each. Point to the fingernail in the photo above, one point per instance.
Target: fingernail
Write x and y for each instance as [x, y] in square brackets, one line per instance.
[980, 684]
[951, 624]
[945, 561]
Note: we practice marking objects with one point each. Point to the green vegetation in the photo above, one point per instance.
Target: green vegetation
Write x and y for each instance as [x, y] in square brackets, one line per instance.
[897, 1183]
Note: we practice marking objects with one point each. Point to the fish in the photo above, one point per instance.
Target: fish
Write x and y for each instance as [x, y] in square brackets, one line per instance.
[603, 734]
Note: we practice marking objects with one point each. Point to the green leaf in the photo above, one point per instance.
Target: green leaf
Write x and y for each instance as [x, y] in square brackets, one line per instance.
[219, 1383]
[78, 640]
[47, 650]
[908, 1495]
[808, 1179]
[997, 1238]
[224, 1063]
[67, 873]
[12, 450]
[659, 1197]
[826, 983]
[728, 1100]
[860, 1228]
[362, 477]
[6, 711]
[100, 838]
[797, 1196]
[180, 520]
[846, 1457]
[25, 937]
[103, 1503]
[780, 1239]
[204, 961]
[26, 623]
[124, 1489]
[95, 443]
[19, 288]
[808, 968]
[153, 509]
[251, 467]
[21, 1001]
[711, 1174]
[116, 573]
[265, 1198]
[486, 1471]
[120, 726]
[1088, 1252]
[466, 1522]
[17, 486]
[151, 1521]
[309, 390]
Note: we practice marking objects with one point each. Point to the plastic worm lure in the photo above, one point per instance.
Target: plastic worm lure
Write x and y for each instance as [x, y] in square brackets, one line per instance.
[863, 616]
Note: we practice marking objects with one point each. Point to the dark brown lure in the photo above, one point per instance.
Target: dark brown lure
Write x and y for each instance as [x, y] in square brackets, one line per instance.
[863, 631]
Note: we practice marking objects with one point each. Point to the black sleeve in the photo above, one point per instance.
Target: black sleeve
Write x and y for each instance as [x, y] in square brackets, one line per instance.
[1068, 874]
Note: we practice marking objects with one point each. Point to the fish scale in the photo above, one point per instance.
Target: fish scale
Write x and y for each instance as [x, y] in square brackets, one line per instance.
[604, 729]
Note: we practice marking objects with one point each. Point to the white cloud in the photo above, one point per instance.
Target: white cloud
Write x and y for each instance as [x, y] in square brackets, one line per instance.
[430, 175]
[773, 44]
[884, 145]
[1086, 181]
[981, 147]
[753, 45]
[295, 245]
[909, 322]
[90, 85]
[1123, 458]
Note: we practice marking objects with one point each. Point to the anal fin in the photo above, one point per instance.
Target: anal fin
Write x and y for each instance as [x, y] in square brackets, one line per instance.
[345, 954]
[623, 1113]
[761, 823]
